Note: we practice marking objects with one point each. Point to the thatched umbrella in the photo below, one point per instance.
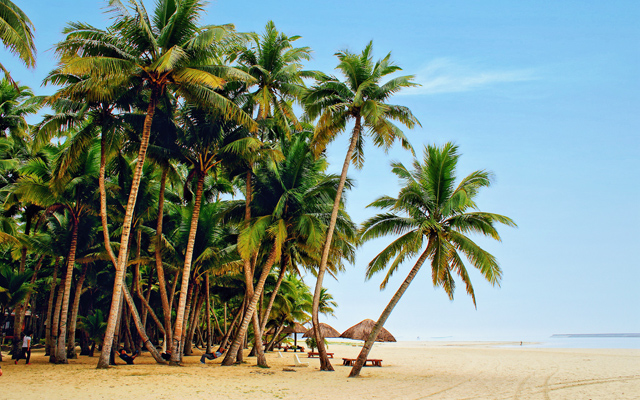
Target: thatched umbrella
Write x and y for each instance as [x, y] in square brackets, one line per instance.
[326, 331]
[362, 330]
[295, 329]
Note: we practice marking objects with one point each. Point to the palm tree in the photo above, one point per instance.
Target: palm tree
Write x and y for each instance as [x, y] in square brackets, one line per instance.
[167, 52]
[361, 98]
[290, 206]
[94, 325]
[14, 288]
[431, 212]
[73, 193]
[16, 33]
[276, 67]
[16, 102]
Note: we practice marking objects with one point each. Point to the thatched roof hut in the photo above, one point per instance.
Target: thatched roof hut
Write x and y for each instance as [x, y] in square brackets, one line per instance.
[362, 330]
[296, 328]
[325, 330]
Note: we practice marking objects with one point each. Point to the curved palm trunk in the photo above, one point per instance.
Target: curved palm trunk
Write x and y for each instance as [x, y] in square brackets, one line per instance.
[272, 299]
[186, 272]
[52, 294]
[325, 364]
[61, 349]
[227, 335]
[194, 323]
[162, 285]
[229, 358]
[362, 357]
[71, 342]
[121, 265]
[139, 327]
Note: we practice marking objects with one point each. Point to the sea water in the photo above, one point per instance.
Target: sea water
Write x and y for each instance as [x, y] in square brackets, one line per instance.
[588, 342]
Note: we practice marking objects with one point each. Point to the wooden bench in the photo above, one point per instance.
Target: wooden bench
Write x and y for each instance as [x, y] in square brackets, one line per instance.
[375, 362]
[313, 354]
[294, 348]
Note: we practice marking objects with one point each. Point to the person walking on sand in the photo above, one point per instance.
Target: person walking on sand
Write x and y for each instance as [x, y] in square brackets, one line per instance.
[26, 348]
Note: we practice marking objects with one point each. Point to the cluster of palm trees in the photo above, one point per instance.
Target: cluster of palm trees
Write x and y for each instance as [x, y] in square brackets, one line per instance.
[174, 173]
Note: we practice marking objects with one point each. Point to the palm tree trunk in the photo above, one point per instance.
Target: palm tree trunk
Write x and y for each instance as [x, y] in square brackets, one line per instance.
[208, 296]
[229, 358]
[121, 265]
[362, 357]
[186, 272]
[71, 342]
[55, 326]
[272, 299]
[162, 285]
[146, 298]
[227, 335]
[20, 310]
[195, 322]
[187, 314]
[325, 364]
[52, 293]
[139, 327]
[61, 350]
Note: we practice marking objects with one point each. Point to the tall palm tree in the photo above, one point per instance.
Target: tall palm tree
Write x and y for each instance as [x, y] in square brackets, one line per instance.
[276, 67]
[433, 217]
[290, 206]
[361, 98]
[202, 138]
[166, 52]
[16, 33]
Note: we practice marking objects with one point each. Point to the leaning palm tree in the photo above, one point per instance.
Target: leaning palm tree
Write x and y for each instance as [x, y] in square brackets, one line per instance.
[166, 52]
[16, 33]
[433, 217]
[289, 205]
[361, 99]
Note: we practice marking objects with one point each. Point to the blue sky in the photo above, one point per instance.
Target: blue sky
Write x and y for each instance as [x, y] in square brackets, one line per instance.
[544, 94]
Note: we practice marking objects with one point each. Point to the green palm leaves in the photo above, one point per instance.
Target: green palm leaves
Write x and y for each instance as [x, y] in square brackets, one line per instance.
[431, 209]
[16, 33]
[360, 97]
[276, 67]
[433, 214]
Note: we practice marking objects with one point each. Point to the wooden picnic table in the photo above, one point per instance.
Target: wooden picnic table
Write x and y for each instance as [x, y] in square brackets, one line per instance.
[375, 362]
[313, 354]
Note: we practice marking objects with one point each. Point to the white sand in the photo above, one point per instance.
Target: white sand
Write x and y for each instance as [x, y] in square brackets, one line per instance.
[410, 371]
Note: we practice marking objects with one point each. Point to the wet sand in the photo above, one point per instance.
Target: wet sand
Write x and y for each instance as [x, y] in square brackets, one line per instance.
[421, 370]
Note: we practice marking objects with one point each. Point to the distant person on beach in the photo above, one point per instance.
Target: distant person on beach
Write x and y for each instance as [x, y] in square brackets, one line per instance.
[128, 358]
[0, 370]
[210, 356]
[26, 348]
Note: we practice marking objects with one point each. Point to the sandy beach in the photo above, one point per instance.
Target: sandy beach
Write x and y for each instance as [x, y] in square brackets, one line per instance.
[421, 370]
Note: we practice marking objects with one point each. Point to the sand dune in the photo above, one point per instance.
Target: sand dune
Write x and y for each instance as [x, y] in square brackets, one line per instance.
[410, 371]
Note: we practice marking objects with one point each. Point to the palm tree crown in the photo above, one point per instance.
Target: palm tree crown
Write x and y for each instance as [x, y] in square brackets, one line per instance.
[431, 208]
[361, 97]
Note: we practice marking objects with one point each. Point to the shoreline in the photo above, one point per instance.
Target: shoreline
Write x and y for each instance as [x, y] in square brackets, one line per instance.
[475, 370]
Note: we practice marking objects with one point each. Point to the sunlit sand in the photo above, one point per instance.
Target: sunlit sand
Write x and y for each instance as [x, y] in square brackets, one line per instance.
[424, 370]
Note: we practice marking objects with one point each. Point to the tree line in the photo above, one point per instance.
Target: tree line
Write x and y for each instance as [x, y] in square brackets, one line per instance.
[178, 190]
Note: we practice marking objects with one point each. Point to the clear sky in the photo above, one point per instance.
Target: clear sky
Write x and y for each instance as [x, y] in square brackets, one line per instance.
[545, 94]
